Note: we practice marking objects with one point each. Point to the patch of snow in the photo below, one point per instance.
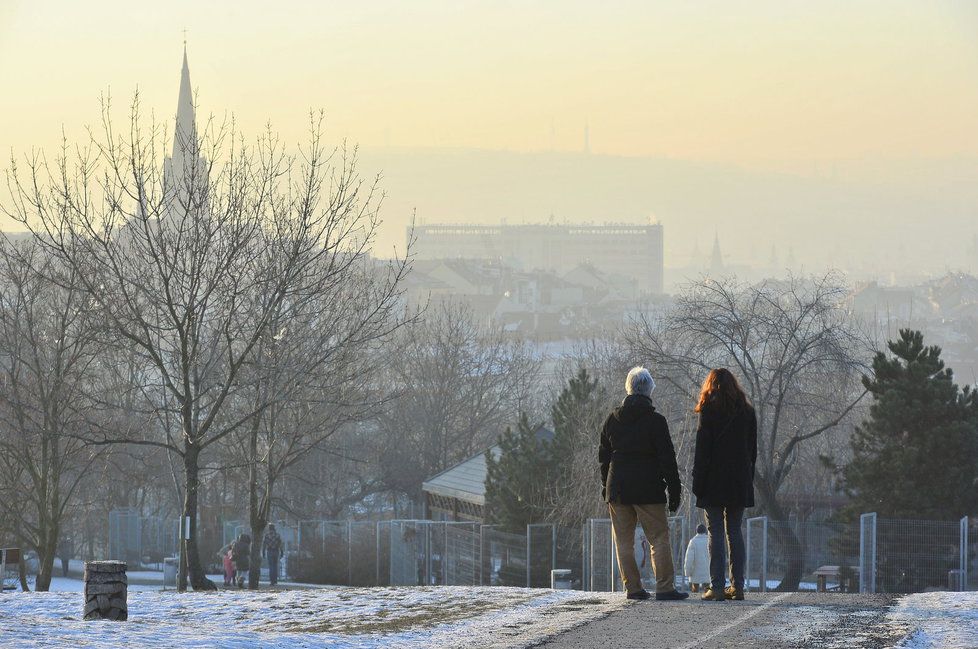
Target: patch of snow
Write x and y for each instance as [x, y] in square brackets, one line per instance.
[400, 618]
[939, 620]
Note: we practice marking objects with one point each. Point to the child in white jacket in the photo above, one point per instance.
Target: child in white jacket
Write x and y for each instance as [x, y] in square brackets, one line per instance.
[697, 564]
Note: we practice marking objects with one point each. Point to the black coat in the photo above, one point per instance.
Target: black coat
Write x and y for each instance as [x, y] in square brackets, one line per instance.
[726, 451]
[638, 462]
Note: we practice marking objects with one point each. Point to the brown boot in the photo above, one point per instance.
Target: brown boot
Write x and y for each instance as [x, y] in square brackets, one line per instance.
[694, 588]
[712, 595]
[734, 593]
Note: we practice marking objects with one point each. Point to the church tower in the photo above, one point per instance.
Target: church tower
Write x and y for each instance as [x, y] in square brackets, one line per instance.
[716, 258]
[184, 171]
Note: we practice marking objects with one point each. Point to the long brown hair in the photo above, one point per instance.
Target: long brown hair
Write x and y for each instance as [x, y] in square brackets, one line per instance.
[722, 392]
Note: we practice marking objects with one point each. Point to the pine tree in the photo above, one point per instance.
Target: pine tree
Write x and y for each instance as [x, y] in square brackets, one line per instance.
[577, 417]
[517, 482]
[916, 456]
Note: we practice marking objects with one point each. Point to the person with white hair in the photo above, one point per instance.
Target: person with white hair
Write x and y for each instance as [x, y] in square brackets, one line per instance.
[638, 468]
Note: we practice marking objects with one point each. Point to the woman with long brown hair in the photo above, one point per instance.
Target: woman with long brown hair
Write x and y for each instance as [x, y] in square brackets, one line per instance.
[723, 476]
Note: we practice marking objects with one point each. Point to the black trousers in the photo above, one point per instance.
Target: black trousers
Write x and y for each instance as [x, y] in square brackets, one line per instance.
[723, 524]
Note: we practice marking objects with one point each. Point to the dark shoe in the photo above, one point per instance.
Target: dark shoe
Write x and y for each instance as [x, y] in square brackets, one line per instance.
[639, 594]
[671, 595]
[713, 595]
[734, 593]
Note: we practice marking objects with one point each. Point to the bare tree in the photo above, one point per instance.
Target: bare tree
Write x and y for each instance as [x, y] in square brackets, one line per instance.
[48, 340]
[458, 385]
[797, 351]
[314, 371]
[173, 256]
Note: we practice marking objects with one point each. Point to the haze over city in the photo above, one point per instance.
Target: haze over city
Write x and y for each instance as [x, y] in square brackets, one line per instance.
[841, 132]
[488, 323]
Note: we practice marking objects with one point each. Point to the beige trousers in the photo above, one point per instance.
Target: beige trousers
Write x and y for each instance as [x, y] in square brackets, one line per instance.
[655, 523]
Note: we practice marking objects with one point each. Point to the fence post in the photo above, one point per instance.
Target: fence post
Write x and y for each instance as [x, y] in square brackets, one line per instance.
[585, 580]
[553, 547]
[614, 557]
[527, 556]
[377, 553]
[349, 553]
[963, 559]
[762, 580]
[867, 553]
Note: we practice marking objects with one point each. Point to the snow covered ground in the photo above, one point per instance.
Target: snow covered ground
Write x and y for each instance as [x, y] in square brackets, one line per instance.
[336, 617]
[938, 620]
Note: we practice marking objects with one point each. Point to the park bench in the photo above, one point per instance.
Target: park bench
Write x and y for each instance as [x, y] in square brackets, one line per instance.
[823, 573]
[12, 558]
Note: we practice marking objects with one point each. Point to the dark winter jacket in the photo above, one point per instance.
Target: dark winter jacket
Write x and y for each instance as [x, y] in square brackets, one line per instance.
[726, 451]
[638, 462]
[272, 545]
[241, 554]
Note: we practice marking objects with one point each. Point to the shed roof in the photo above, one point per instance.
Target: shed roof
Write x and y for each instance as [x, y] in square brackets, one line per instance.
[467, 479]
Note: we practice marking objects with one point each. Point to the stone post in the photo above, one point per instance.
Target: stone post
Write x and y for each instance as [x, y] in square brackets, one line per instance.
[106, 590]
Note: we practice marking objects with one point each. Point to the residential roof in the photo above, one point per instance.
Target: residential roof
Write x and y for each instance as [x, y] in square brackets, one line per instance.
[466, 480]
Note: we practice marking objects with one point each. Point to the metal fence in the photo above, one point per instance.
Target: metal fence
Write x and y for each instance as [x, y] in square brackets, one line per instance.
[142, 540]
[871, 555]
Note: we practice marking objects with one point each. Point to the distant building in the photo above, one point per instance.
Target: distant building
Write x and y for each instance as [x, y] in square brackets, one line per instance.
[459, 492]
[633, 251]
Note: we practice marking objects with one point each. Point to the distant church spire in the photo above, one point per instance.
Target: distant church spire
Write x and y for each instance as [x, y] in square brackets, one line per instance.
[186, 128]
[185, 158]
[716, 258]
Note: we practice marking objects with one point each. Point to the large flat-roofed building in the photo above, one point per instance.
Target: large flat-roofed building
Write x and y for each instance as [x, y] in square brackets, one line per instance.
[634, 251]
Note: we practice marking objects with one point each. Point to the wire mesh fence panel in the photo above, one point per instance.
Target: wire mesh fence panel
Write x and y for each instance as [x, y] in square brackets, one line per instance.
[601, 556]
[798, 552]
[408, 553]
[125, 529]
[462, 554]
[867, 553]
[541, 541]
[363, 553]
[337, 549]
[678, 535]
[383, 552]
[913, 556]
[306, 563]
[503, 558]
[159, 538]
[972, 554]
[569, 554]
[756, 550]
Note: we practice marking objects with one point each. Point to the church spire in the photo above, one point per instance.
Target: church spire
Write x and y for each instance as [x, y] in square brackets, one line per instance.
[186, 127]
[184, 170]
[716, 258]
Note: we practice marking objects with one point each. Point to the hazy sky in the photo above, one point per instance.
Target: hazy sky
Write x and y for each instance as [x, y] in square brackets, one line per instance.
[772, 84]
[875, 102]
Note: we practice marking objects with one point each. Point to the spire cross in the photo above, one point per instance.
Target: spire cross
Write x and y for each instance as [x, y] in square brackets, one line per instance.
[185, 38]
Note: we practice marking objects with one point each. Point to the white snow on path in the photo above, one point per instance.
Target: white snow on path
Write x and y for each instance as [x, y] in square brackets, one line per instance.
[938, 620]
[399, 618]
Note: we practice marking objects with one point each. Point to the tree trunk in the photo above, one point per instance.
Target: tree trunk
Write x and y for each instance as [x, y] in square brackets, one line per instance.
[257, 534]
[191, 551]
[22, 569]
[46, 551]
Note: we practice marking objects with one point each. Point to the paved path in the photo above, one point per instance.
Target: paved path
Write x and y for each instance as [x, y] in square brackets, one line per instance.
[763, 620]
